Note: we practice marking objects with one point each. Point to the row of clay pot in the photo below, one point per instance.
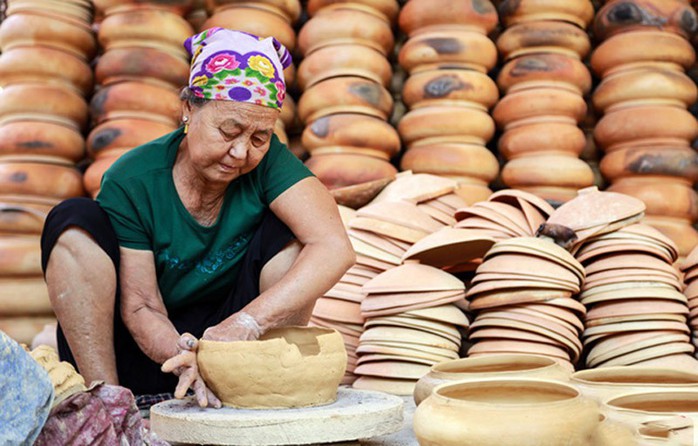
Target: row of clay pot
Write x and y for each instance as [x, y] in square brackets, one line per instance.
[688, 267]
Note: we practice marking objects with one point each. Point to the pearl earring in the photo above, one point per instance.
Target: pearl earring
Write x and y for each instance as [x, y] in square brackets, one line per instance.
[185, 120]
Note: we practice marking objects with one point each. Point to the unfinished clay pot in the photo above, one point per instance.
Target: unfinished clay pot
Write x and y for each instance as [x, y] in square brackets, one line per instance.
[446, 123]
[621, 16]
[578, 12]
[445, 86]
[138, 63]
[41, 138]
[543, 36]
[478, 15]
[344, 60]
[349, 94]
[535, 102]
[254, 20]
[545, 70]
[352, 130]
[453, 48]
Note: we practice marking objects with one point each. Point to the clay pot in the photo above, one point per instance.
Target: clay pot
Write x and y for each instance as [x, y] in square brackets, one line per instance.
[341, 168]
[180, 7]
[545, 70]
[543, 36]
[477, 15]
[21, 256]
[679, 162]
[387, 8]
[578, 12]
[43, 176]
[45, 65]
[450, 87]
[641, 47]
[547, 170]
[41, 138]
[22, 216]
[647, 125]
[344, 60]
[444, 124]
[43, 102]
[287, 367]
[455, 48]
[36, 28]
[289, 9]
[469, 160]
[486, 367]
[679, 231]
[645, 85]
[345, 26]
[146, 27]
[542, 135]
[254, 20]
[618, 16]
[24, 296]
[530, 103]
[467, 413]
[124, 134]
[347, 94]
[92, 179]
[142, 64]
[661, 195]
[288, 114]
[73, 10]
[136, 100]
[352, 130]
[23, 329]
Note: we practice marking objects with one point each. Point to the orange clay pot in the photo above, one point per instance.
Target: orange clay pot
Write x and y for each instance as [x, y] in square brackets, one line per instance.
[73, 10]
[124, 64]
[616, 17]
[478, 15]
[467, 160]
[545, 70]
[94, 173]
[547, 170]
[21, 255]
[41, 138]
[542, 135]
[289, 9]
[341, 168]
[680, 231]
[351, 130]
[450, 48]
[663, 196]
[533, 102]
[254, 20]
[344, 60]
[388, 9]
[446, 123]
[124, 134]
[39, 176]
[578, 12]
[18, 215]
[43, 102]
[543, 37]
[180, 7]
[450, 87]
[136, 100]
[671, 161]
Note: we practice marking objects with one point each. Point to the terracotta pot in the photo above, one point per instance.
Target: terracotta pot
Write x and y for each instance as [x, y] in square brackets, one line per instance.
[21, 256]
[443, 124]
[387, 8]
[542, 135]
[345, 26]
[352, 130]
[342, 168]
[477, 15]
[124, 134]
[344, 60]
[347, 94]
[36, 28]
[543, 36]
[135, 100]
[254, 20]
[498, 411]
[23, 329]
[289, 9]
[452, 48]
[469, 160]
[672, 161]
[43, 176]
[545, 70]
[450, 87]
[647, 125]
[24, 296]
[45, 65]
[668, 15]
[22, 216]
[640, 47]
[679, 231]
[534, 102]
[73, 10]
[41, 138]
[287, 367]
[92, 179]
[486, 367]
[142, 64]
[180, 7]
[653, 85]
[547, 170]
[146, 27]
[578, 12]
[662, 195]
[43, 102]
[288, 114]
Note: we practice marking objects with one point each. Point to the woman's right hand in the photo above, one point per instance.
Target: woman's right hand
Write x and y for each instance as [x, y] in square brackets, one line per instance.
[185, 366]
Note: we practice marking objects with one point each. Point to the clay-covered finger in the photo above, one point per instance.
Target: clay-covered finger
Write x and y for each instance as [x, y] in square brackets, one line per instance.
[182, 360]
[187, 341]
[186, 380]
[200, 391]
[213, 399]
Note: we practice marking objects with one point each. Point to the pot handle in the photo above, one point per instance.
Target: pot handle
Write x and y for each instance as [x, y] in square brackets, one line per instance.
[19, 208]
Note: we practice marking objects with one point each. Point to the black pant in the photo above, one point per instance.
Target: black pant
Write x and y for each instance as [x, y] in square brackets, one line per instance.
[136, 371]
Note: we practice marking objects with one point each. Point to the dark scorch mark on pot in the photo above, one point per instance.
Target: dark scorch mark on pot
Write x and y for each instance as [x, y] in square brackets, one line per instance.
[104, 138]
[689, 22]
[321, 127]
[508, 7]
[35, 145]
[444, 85]
[673, 165]
[97, 102]
[625, 14]
[18, 177]
[445, 45]
[483, 7]
[529, 65]
[370, 93]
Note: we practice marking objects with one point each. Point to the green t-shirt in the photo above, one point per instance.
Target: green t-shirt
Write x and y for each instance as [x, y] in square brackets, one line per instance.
[194, 263]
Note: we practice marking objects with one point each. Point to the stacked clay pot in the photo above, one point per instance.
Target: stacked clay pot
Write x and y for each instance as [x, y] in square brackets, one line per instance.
[140, 73]
[45, 78]
[544, 82]
[448, 92]
[647, 131]
[689, 267]
[345, 104]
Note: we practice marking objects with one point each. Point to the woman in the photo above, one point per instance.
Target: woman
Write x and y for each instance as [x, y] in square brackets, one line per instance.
[215, 230]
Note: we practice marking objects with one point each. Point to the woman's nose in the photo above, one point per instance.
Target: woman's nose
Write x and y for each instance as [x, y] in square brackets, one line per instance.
[238, 150]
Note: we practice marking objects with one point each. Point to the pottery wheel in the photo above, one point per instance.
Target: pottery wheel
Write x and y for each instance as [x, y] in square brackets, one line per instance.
[357, 414]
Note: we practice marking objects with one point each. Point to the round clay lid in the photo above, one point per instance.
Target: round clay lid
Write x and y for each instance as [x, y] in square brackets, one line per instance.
[358, 195]
[512, 215]
[630, 260]
[540, 247]
[408, 336]
[413, 277]
[400, 213]
[444, 330]
[495, 299]
[487, 213]
[384, 350]
[691, 260]
[393, 369]
[416, 188]
[449, 246]
[513, 346]
[644, 354]
[449, 314]
[634, 307]
[492, 228]
[601, 352]
[509, 195]
[627, 327]
[531, 266]
[506, 333]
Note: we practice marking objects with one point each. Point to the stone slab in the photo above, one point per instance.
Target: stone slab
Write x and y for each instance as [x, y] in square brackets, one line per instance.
[356, 415]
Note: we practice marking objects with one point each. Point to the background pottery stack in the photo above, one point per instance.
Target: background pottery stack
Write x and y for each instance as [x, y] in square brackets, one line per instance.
[544, 81]
[447, 56]
[689, 267]
[45, 79]
[345, 104]
[140, 73]
[647, 131]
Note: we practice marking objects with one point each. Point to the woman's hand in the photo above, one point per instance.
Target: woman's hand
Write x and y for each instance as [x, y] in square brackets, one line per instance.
[239, 327]
[185, 366]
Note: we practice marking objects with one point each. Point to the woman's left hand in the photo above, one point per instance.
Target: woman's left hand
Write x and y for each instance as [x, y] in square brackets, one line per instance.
[238, 327]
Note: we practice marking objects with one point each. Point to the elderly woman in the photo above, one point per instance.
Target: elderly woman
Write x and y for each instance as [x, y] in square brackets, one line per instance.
[215, 230]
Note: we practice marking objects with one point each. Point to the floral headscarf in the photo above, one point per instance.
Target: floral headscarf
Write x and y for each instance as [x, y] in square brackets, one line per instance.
[236, 66]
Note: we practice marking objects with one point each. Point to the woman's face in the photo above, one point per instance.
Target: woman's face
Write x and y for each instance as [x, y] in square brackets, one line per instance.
[227, 139]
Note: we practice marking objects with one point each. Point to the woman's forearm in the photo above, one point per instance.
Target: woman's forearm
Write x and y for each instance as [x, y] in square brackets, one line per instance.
[152, 331]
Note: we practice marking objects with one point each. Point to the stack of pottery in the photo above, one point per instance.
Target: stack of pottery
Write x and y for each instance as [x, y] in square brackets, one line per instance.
[140, 74]
[345, 104]
[689, 267]
[522, 293]
[413, 318]
[544, 81]
[198, 14]
[263, 18]
[647, 131]
[448, 92]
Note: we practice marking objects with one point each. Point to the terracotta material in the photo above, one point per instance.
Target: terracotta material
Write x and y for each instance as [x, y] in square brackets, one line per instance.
[508, 404]
[388, 385]
[23, 329]
[348, 94]
[671, 161]
[480, 16]
[407, 336]
[542, 135]
[21, 256]
[344, 60]
[447, 123]
[341, 169]
[578, 12]
[65, 379]
[139, 64]
[561, 171]
[124, 134]
[543, 36]
[254, 20]
[43, 102]
[80, 11]
[136, 100]
[530, 266]
[469, 160]
[540, 248]
[674, 16]
[289, 9]
[179, 6]
[535, 102]
[41, 138]
[498, 347]
[92, 178]
[545, 70]
[36, 175]
[433, 49]
[670, 199]
[352, 130]
[449, 246]
[684, 235]
[416, 188]
[20, 215]
[460, 87]
[413, 277]
[359, 195]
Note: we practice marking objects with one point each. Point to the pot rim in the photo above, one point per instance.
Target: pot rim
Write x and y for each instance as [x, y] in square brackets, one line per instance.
[505, 358]
[579, 377]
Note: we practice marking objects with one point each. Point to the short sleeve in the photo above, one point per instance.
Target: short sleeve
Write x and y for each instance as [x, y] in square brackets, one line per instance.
[281, 169]
[124, 216]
